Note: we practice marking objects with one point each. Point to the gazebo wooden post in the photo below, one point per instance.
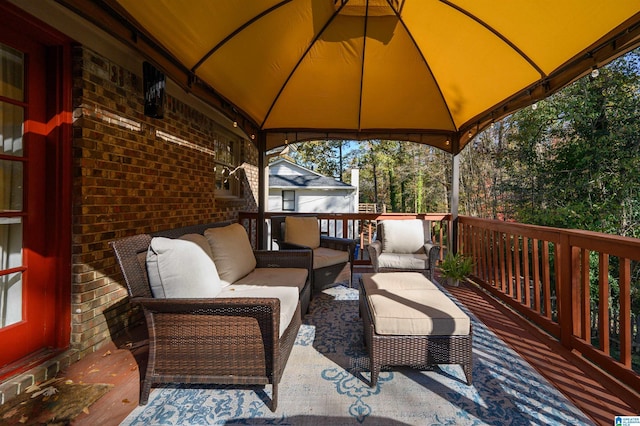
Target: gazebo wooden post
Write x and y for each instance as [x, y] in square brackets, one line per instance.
[455, 196]
[262, 189]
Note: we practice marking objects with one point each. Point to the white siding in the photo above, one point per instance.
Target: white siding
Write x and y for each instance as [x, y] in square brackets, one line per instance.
[310, 201]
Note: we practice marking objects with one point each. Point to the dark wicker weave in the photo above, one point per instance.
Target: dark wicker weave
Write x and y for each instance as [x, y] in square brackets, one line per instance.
[322, 277]
[220, 341]
[413, 351]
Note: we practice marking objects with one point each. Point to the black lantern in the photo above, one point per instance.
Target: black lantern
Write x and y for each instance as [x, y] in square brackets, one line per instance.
[154, 85]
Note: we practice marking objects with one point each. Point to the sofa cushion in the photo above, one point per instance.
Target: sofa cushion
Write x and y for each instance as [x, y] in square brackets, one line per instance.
[396, 281]
[200, 240]
[303, 231]
[231, 251]
[323, 256]
[404, 236]
[403, 261]
[285, 277]
[180, 269]
[417, 312]
[288, 297]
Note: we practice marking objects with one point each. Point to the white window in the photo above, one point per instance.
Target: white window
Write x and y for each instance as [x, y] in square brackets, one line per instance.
[288, 200]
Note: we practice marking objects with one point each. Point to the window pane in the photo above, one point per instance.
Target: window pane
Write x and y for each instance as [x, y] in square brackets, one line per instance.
[11, 122]
[11, 73]
[288, 200]
[11, 284]
[10, 299]
[11, 185]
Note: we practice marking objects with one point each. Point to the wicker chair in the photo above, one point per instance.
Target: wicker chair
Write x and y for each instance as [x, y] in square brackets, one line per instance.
[210, 341]
[326, 274]
[404, 245]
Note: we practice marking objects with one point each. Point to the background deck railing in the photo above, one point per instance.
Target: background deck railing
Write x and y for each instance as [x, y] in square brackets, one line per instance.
[582, 288]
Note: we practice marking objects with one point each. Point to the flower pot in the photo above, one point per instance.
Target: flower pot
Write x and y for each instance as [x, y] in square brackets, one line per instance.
[453, 282]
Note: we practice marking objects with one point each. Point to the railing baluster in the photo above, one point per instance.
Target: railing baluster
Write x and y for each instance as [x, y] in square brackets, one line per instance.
[603, 305]
[508, 247]
[516, 262]
[625, 312]
[525, 274]
[585, 287]
[536, 276]
[546, 279]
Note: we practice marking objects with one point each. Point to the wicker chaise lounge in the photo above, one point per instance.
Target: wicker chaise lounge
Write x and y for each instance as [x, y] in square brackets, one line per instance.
[408, 321]
[219, 340]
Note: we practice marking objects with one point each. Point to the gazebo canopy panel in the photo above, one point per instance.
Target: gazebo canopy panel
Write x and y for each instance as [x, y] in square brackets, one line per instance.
[430, 71]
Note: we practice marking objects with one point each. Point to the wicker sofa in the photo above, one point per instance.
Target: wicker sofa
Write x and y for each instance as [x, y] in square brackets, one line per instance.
[242, 335]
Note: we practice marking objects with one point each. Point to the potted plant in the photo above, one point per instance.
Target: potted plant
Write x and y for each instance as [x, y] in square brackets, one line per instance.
[455, 267]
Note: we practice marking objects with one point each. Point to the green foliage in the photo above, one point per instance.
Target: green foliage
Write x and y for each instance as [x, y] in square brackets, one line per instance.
[456, 266]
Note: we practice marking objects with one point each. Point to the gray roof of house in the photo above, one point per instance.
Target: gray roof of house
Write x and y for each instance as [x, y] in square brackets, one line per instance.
[306, 181]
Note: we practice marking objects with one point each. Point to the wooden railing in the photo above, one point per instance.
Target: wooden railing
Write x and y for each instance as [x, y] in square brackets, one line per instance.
[575, 285]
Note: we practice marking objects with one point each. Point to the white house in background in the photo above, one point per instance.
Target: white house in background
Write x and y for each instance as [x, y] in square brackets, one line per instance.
[293, 188]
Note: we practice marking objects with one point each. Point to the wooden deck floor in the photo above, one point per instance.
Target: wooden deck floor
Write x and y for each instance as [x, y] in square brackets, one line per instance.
[121, 363]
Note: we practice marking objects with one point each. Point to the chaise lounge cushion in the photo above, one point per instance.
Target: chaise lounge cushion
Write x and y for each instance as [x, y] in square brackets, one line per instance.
[289, 277]
[288, 297]
[232, 252]
[417, 312]
[180, 269]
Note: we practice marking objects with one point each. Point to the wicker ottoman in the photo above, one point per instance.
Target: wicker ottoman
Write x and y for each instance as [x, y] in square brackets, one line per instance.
[408, 321]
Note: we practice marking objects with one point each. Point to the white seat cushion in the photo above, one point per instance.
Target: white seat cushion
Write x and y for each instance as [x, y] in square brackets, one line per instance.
[304, 231]
[416, 313]
[288, 297]
[231, 251]
[403, 261]
[285, 277]
[396, 281]
[323, 256]
[180, 269]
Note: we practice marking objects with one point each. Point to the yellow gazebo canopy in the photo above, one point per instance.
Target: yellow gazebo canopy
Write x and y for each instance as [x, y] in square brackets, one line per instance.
[430, 71]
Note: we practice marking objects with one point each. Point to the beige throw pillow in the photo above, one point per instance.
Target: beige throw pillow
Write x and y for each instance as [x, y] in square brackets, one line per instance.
[403, 236]
[303, 231]
[231, 251]
[180, 269]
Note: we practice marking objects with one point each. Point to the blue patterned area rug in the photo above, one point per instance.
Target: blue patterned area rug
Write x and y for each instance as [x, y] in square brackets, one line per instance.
[326, 382]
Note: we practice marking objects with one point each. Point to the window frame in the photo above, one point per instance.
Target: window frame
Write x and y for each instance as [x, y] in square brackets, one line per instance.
[285, 200]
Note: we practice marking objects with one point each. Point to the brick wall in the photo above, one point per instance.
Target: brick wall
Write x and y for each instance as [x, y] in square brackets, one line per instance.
[135, 174]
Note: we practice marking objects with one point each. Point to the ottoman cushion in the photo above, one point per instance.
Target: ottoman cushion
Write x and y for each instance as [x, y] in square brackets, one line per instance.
[416, 312]
[396, 281]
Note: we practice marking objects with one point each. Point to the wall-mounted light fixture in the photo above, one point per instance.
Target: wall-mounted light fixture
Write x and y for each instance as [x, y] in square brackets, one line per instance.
[154, 83]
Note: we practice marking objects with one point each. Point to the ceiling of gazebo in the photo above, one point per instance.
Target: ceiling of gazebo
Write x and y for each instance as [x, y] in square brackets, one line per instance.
[431, 71]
